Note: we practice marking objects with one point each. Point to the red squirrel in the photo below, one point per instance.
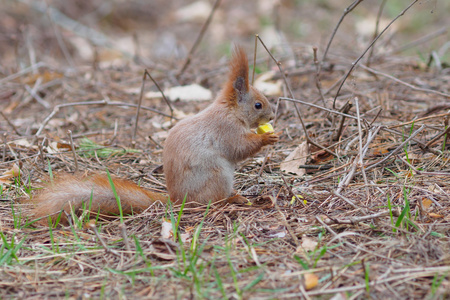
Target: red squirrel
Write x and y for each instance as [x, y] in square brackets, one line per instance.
[199, 158]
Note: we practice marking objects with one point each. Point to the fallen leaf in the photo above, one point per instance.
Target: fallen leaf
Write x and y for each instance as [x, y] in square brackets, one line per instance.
[269, 88]
[309, 244]
[185, 237]
[378, 151]
[56, 147]
[166, 229]
[193, 92]
[311, 281]
[436, 216]
[197, 11]
[294, 159]
[5, 181]
[280, 234]
[11, 173]
[426, 203]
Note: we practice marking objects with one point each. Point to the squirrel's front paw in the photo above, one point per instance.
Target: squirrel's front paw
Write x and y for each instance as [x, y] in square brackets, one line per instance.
[269, 138]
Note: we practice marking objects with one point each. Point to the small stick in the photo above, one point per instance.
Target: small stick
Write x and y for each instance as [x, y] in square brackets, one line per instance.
[375, 33]
[376, 116]
[419, 41]
[318, 82]
[41, 151]
[320, 107]
[326, 226]
[355, 220]
[368, 48]
[345, 199]
[344, 110]
[35, 95]
[308, 139]
[285, 223]
[199, 38]
[99, 102]
[5, 135]
[69, 132]
[315, 167]
[254, 58]
[123, 231]
[141, 94]
[413, 87]
[10, 124]
[59, 39]
[421, 145]
[22, 72]
[92, 227]
[433, 140]
[346, 12]
[396, 149]
[361, 157]
[420, 119]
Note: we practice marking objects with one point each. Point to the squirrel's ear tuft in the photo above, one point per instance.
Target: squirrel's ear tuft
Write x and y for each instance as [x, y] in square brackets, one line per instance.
[238, 78]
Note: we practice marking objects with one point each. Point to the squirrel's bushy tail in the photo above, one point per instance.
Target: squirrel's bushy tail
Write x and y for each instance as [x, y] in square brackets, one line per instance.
[70, 192]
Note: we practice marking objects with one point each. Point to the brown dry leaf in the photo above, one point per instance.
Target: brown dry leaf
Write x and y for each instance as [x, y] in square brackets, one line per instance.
[294, 159]
[46, 77]
[11, 173]
[56, 147]
[5, 181]
[436, 216]
[311, 281]
[320, 157]
[426, 203]
[379, 151]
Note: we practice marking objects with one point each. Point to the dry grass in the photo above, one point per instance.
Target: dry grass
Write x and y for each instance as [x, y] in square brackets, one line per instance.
[381, 231]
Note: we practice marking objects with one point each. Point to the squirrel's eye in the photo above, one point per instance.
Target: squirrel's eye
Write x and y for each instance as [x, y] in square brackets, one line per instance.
[258, 105]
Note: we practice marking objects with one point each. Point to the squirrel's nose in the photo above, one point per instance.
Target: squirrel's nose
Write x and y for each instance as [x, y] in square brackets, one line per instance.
[272, 116]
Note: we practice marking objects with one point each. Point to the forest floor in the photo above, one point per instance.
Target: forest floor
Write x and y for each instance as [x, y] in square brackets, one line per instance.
[353, 202]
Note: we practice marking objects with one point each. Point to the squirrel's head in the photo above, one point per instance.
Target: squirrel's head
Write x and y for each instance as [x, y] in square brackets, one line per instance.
[249, 103]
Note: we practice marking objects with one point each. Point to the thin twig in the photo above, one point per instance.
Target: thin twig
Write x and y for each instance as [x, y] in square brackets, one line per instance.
[59, 38]
[123, 231]
[375, 33]
[72, 147]
[285, 223]
[10, 124]
[400, 147]
[199, 38]
[428, 37]
[92, 226]
[367, 49]
[344, 110]
[317, 77]
[5, 138]
[320, 107]
[23, 72]
[99, 102]
[141, 95]
[346, 12]
[413, 87]
[254, 58]
[361, 156]
[433, 140]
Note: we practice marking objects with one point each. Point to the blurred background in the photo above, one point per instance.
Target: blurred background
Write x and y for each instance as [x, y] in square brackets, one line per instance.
[162, 32]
